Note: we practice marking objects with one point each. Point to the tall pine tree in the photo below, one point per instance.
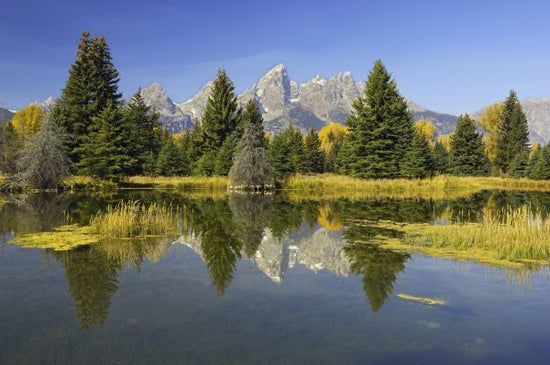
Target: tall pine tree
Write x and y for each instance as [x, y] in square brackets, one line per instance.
[91, 86]
[512, 133]
[104, 152]
[467, 155]
[222, 115]
[418, 162]
[380, 129]
[440, 158]
[314, 157]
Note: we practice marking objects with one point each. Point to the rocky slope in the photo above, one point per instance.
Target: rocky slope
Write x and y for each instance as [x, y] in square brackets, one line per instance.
[5, 115]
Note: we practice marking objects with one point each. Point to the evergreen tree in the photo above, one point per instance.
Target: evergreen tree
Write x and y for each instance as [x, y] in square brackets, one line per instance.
[224, 157]
[91, 86]
[467, 155]
[518, 165]
[418, 162]
[286, 152]
[512, 134]
[533, 156]
[541, 168]
[251, 168]
[104, 153]
[440, 158]
[313, 159]
[222, 115]
[10, 147]
[143, 132]
[380, 129]
[170, 160]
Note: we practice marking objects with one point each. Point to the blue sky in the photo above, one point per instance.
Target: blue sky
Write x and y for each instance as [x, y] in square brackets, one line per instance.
[449, 56]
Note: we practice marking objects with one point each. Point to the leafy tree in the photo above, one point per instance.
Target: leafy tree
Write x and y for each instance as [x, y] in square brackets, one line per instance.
[418, 162]
[490, 121]
[44, 161]
[427, 130]
[104, 153]
[250, 167]
[92, 86]
[380, 129]
[332, 135]
[467, 155]
[512, 134]
[313, 159]
[28, 121]
[440, 158]
[222, 115]
[144, 134]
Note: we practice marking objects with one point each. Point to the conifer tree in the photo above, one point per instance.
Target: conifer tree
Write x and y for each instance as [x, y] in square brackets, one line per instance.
[467, 155]
[104, 153]
[440, 158]
[91, 86]
[512, 133]
[418, 162]
[222, 115]
[224, 156]
[286, 152]
[170, 161]
[541, 168]
[518, 165]
[10, 147]
[143, 132]
[313, 159]
[251, 169]
[533, 156]
[380, 129]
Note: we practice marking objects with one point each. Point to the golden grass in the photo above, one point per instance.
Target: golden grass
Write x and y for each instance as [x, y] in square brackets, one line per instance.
[330, 183]
[133, 219]
[182, 182]
[80, 182]
[516, 238]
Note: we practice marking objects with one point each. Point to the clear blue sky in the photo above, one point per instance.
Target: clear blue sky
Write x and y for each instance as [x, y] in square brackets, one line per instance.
[449, 56]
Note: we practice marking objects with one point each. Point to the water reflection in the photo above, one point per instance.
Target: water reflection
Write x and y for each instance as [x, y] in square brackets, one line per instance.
[272, 231]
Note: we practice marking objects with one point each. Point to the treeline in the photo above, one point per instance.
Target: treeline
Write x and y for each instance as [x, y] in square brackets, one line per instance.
[92, 131]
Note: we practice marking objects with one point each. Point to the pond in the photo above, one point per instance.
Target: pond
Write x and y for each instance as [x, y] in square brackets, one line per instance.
[264, 279]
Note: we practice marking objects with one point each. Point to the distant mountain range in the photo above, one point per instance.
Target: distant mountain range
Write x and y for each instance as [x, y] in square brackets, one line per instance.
[310, 104]
[5, 115]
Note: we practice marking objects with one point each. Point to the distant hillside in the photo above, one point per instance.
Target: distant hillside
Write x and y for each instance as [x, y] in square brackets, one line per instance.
[5, 115]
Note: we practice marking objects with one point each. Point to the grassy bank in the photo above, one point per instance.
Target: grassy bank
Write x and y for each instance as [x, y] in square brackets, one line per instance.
[328, 183]
[513, 238]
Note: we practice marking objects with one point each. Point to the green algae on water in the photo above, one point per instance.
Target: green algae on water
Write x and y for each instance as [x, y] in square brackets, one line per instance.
[62, 238]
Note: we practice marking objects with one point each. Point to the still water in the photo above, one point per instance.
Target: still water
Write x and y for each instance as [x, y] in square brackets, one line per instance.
[264, 280]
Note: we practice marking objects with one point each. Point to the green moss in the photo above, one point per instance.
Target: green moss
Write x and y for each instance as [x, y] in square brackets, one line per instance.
[63, 238]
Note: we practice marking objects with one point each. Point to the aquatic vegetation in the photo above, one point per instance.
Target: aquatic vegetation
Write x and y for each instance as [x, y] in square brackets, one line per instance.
[513, 238]
[134, 219]
[428, 301]
[80, 182]
[63, 238]
[181, 182]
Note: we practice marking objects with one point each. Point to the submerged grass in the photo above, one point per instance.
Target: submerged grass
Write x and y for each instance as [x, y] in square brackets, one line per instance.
[514, 238]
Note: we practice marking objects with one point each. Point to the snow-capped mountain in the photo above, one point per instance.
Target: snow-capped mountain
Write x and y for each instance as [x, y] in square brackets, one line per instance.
[5, 115]
[171, 115]
[283, 101]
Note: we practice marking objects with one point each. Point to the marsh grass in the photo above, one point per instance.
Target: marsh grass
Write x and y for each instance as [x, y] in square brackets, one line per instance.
[181, 182]
[79, 182]
[134, 219]
[330, 183]
[515, 238]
